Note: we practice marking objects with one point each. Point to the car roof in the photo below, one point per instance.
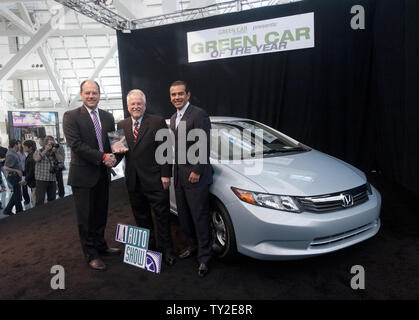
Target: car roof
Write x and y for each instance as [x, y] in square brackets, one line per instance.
[219, 119]
[222, 118]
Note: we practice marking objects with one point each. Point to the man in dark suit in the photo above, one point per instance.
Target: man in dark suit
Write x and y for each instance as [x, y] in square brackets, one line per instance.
[192, 177]
[147, 181]
[85, 129]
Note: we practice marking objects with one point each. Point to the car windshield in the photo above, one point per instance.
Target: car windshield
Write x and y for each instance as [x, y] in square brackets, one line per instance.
[243, 139]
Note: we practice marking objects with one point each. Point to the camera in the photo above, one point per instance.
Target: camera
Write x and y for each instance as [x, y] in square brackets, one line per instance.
[57, 166]
[55, 145]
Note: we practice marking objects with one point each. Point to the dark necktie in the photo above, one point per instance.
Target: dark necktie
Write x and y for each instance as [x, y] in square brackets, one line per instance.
[98, 130]
[135, 130]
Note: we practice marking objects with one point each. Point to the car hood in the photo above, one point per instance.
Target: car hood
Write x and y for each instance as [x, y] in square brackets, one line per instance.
[303, 174]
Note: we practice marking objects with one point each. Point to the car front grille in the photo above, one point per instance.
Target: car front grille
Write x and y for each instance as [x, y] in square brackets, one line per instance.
[335, 201]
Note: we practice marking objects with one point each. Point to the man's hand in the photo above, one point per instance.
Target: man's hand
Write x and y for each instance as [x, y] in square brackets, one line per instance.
[110, 160]
[193, 177]
[165, 182]
[118, 147]
[22, 182]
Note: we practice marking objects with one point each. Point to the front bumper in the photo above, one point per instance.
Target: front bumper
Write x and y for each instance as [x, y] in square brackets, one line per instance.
[269, 234]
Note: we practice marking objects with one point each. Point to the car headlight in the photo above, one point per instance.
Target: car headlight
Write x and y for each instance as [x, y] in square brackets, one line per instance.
[273, 201]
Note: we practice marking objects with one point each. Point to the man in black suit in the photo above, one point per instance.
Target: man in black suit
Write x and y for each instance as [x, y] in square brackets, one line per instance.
[147, 181]
[85, 129]
[192, 177]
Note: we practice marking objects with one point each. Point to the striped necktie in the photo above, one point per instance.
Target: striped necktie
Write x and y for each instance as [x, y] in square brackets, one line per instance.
[179, 116]
[98, 130]
[135, 133]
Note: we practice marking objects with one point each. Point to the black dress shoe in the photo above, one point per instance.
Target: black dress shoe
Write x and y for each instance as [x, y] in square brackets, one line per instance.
[170, 260]
[111, 252]
[187, 253]
[202, 270]
[97, 264]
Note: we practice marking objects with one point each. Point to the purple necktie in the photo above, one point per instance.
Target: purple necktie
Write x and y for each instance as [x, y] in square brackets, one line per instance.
[98, 130]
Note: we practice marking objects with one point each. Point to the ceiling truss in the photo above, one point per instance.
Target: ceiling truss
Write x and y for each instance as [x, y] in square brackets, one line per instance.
[70, 52]
[108, 15]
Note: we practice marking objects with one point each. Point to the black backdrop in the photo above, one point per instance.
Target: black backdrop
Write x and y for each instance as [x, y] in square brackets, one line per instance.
[354, 96]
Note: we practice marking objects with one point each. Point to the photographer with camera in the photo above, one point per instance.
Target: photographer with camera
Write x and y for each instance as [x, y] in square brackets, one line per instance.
[59, 174]
[48, 161]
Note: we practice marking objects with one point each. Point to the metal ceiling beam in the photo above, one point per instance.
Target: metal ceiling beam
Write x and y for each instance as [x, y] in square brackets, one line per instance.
[76, 32]
[98, 69]
[45, 58]
[204, 12]
[16, 1]
[18, 22]
[98, 11]
[30, 47]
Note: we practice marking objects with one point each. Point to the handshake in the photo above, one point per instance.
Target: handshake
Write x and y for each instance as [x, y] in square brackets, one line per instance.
[109, 160]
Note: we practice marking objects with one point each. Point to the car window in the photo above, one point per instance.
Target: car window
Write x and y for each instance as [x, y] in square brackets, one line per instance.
[235, 140]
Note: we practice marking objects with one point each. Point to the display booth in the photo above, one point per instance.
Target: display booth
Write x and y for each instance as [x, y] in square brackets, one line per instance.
[339, 76]
[33, 125]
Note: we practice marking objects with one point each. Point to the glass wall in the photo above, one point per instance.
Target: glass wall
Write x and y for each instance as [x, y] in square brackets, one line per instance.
[39, 93]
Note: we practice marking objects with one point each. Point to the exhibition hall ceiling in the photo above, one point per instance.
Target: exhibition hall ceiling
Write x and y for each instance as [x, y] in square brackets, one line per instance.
[68, 41]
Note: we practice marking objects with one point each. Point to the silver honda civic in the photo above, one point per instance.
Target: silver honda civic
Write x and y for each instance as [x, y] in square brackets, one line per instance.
[274, 198]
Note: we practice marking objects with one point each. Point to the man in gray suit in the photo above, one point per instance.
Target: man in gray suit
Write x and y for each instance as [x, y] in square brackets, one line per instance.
[192, 177]
[85, 129]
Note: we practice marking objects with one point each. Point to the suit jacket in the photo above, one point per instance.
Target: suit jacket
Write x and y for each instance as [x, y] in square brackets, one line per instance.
[140, 159]
[86, 159]
[195, 118]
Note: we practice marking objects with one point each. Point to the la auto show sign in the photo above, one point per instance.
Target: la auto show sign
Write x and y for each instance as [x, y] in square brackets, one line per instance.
[266, 36]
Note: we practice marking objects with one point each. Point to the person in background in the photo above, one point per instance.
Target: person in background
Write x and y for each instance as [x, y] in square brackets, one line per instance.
[22, 157]
[59, 174]
[3, 152]
[45, 170]
[29, 146]
[14, 172]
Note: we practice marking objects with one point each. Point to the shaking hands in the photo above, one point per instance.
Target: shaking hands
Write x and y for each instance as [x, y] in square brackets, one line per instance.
[109, 160]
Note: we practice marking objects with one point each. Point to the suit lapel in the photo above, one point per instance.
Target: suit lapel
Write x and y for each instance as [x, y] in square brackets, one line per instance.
[86, 118]
[184, 118]
[187, 113]
[142, 130]
[173, 122]
[102, 124]
[127, 126]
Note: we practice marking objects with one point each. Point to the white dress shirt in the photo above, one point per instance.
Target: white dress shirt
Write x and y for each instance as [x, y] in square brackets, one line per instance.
[180, 113]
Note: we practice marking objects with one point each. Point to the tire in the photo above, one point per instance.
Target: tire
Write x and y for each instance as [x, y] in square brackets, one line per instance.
[222, 231]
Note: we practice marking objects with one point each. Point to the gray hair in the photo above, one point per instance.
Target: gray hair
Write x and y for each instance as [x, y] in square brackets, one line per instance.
[136, 92]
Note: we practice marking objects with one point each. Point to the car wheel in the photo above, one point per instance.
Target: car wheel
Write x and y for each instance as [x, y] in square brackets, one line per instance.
[223, 238]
